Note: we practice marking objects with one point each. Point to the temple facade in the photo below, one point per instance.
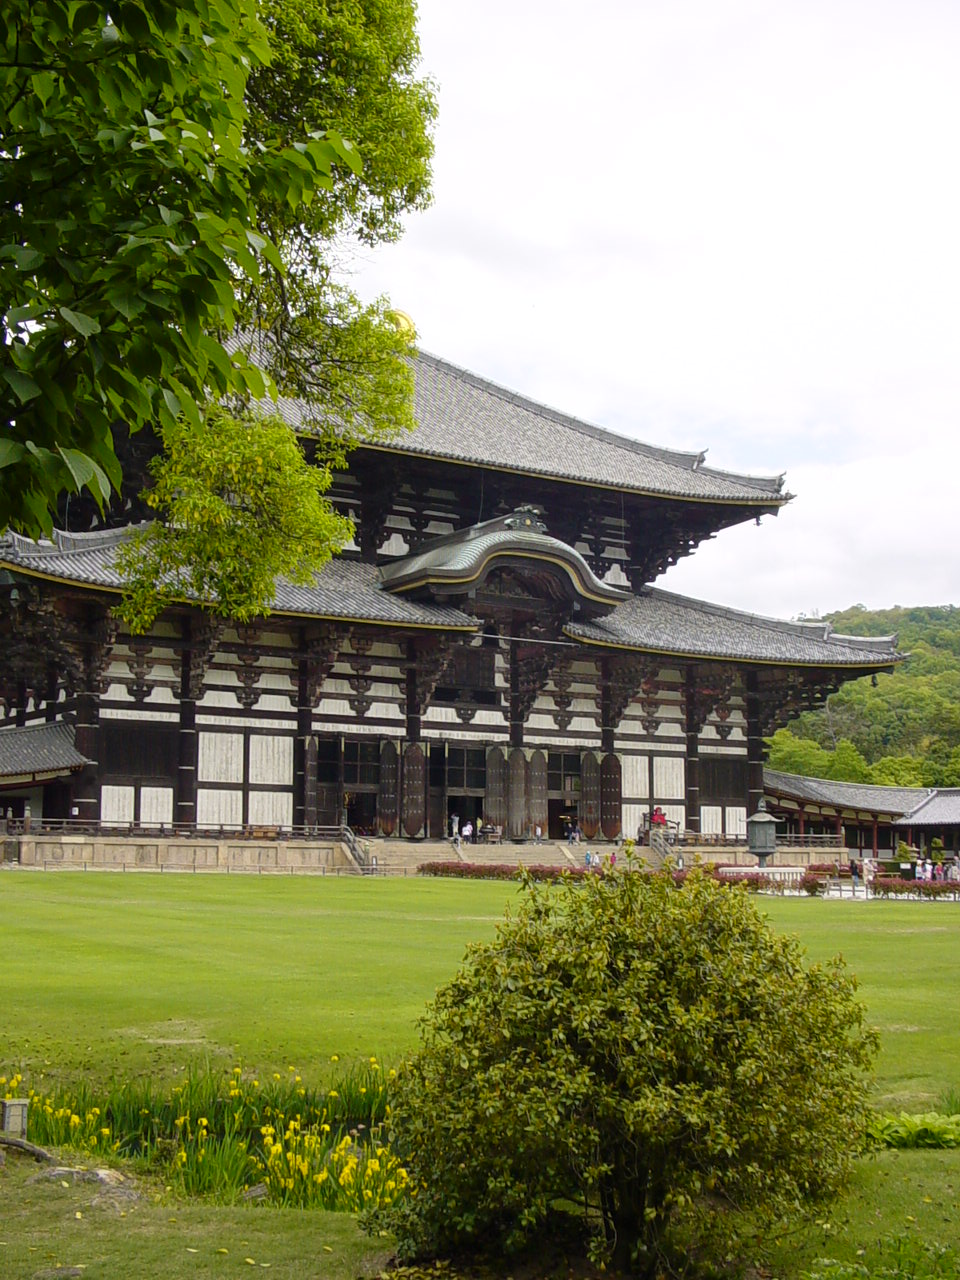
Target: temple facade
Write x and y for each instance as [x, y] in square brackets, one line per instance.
[492, 647]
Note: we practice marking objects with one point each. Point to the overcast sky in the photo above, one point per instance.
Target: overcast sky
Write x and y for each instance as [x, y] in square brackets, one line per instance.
[724, 225]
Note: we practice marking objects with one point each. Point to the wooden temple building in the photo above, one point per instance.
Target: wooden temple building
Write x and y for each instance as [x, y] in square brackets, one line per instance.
[492, 646]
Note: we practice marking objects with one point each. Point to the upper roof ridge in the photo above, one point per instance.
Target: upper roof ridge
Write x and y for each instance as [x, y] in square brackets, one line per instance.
[688, 460]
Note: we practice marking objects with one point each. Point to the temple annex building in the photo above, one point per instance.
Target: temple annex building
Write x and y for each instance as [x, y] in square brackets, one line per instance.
[494, 645]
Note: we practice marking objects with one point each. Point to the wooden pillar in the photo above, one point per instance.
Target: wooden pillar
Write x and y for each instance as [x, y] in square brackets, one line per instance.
[86, 786]
[516, 793]
[413, 703]
[304, 753]
[754, 745]
[876, 837]
[516, 714]
[692, 772]
[802, 818]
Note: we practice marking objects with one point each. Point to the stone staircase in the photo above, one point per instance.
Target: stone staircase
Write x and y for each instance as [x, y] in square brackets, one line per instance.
[402, 857]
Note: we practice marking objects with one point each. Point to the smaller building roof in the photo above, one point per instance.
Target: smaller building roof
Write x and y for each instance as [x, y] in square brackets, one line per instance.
[940, 807]
[38, 751]
[845, 795]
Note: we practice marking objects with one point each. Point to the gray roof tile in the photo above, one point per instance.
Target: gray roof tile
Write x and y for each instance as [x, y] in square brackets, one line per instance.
[659, 622]
[846, 795]
[40, 748]
[345, 589]
[465, 418]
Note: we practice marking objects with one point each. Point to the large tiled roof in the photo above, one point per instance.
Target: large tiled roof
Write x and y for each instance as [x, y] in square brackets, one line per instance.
[345, 589]
[463, 418]
[845, 795]
[659, 622]
[938, 808]
[39, 749]
[653, 622]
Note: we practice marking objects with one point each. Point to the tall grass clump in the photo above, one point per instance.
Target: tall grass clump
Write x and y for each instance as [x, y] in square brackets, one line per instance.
[221, 1133]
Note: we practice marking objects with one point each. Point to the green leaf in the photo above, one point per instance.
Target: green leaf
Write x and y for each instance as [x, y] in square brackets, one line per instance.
[24, 387]
[11, 451]
[85, 325]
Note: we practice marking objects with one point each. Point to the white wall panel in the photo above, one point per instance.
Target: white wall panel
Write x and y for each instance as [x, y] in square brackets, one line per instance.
[711, 819]
[156, 806]
[220, 757]
[668, 782]
[116, 804]
[676, 813]
[736, 820]
[632, 816]
[271, 808]
[219, 808]
[635, 776]
[271, 760]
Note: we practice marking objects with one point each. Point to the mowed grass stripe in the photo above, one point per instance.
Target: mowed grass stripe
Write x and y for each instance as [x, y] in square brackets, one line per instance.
[263, 970]
[128, 973]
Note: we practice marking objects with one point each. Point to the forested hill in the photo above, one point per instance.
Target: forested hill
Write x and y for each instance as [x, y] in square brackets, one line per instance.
[904, 730]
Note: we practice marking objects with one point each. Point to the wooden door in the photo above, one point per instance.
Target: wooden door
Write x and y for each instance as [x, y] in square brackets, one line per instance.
[610, 797]
[495, 795]
[516, 794]
[387, 797]
[537, 792]
[414, 790]
[589, 795]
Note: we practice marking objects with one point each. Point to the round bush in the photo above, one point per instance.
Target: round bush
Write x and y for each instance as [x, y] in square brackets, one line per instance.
[646, 1055]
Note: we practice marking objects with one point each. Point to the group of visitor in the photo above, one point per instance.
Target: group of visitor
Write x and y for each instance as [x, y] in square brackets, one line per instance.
[593, 861]
[936, 872]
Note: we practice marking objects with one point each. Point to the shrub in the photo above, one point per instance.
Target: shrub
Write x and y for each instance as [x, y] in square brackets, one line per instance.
[649, 1051]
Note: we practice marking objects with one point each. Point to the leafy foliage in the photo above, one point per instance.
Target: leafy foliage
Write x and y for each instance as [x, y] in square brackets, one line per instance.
[930, 1129]
[903, 730]
[240, 507]
[128, 220]
[653, 1053]
[900, 1258]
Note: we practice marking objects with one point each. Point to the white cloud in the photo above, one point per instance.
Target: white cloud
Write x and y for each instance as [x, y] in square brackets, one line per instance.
[716, 224]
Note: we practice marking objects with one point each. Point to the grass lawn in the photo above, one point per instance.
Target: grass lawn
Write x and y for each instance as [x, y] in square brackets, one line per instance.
[116, 975]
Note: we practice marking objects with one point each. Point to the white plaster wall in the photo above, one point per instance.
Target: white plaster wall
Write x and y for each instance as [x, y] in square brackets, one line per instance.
[668, 780]
[736, 819]
[635, 778]
[711, 819]
[116, 803]
[220, 757]
[271, 760]
[676, 813]
[271, 808]
[631, 817]
[219, 808]
[156, 805]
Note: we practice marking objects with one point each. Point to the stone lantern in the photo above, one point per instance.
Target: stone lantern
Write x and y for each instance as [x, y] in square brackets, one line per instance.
[762, 833]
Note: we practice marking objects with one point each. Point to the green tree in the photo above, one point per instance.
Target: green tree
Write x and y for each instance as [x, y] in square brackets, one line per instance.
[654, 1054]
[239, 506]
[128, 205]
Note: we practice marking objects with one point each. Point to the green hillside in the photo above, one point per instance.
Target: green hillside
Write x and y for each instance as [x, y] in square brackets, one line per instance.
[904, 728]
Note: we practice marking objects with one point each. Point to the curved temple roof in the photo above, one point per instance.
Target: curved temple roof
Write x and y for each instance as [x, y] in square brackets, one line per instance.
[459, 561]
[466, 419]
[655, 622]
[659, 622]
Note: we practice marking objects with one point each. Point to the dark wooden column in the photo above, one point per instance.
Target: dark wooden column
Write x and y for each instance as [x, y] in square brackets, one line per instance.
[692, 729]
[754, 744]
[516, 709]
[304, 751]
[187, 742]
[86, 786]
